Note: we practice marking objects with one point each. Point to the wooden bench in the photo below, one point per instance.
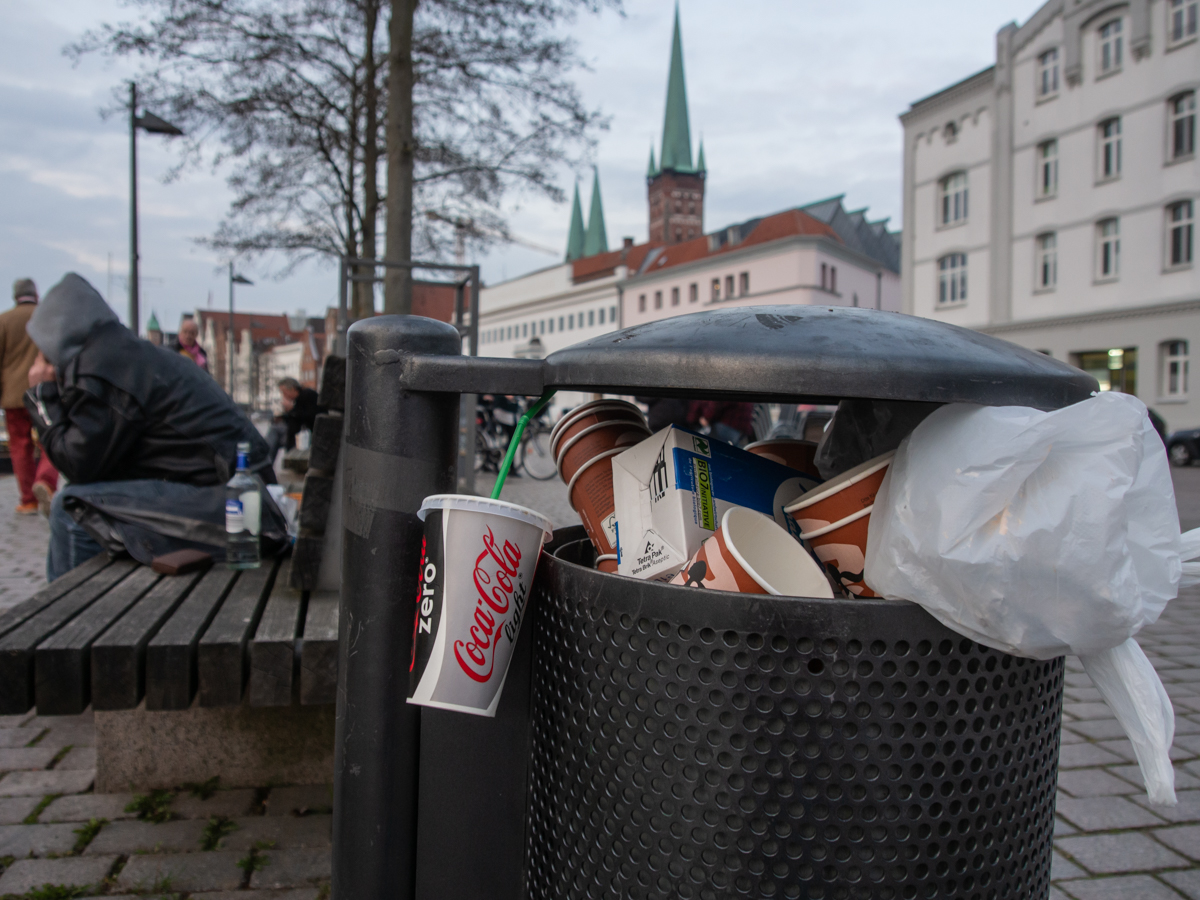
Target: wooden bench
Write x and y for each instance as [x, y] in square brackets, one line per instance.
[112, 633]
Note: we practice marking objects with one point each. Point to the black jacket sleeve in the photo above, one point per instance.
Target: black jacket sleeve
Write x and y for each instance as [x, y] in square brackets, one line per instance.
[86, 429]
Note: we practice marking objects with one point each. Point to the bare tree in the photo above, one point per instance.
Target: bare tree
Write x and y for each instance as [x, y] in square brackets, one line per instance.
[291, 98]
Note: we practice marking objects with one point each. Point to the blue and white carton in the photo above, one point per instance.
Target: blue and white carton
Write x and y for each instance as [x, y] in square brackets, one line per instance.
[671, 490]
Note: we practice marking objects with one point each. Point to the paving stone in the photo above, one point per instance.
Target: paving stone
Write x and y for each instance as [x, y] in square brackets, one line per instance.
[1091, 783]
[76, 871]
[1069, 737]
[39, 784]
[1186, 726]
[1082, 694]
[16, 721]
[13, 810]
[286, 832]
[1128, 887]
[1074, 756]
[36, 840]
[1185, 839]
[286, 894]
[1104, 813]
[1061, 867]
[1062, 827]
[75, 735]
[146, 837]
[222, 803]
[1098, 729]
[1094, 710]
[285, 801]
[293, 868]
[1055, 894]
[26, 758]
[213, 871]
[1121, 748]
[1107, 854]
[1184, 779]
[82, 807]
[77, 758]
[1188, 882]
[18, 737]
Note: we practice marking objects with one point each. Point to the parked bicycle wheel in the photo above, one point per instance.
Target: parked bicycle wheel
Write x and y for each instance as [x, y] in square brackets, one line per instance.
[536, 457]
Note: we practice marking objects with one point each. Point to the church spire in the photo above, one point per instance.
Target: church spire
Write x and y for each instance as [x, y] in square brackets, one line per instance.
[700, 166]
[596, 239]
[677, 134]
[575, 234]
[652, 169]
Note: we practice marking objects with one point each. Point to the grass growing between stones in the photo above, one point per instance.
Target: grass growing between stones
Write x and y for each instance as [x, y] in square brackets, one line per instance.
[203, 789]
[32, 818]
[255, 861]
[217, 828]
[58, 757]
[50, 892]
[87, 833]
[153, 807]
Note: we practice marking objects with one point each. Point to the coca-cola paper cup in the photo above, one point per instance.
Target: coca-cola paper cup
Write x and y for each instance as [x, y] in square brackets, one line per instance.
[478, 558]
[752, 554]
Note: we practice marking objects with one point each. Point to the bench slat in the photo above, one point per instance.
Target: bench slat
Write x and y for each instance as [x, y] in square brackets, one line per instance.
[273, 650]
[222, 658]
[319, 653]
[11, 618]
[62, 663]
[171, 654]
[118, 654]
[17, 647]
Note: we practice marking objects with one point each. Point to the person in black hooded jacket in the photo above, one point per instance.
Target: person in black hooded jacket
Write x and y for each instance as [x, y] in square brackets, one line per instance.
[143, 434]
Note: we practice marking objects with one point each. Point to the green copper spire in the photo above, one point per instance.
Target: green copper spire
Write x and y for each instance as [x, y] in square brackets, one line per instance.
[652, 169]
[596, 239]
[677, 134]
[152, 325]
[575, 235]
[700, 166]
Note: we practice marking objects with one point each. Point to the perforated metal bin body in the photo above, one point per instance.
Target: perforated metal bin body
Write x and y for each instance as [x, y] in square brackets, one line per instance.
[701, 744]
[650, 745]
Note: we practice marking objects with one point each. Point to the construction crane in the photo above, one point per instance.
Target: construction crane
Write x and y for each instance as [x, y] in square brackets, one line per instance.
[464, 226]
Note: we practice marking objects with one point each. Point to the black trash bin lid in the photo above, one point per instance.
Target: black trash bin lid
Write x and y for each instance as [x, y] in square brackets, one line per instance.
[816, 353]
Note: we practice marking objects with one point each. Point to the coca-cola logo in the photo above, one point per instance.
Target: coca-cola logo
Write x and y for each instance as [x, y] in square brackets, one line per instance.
[501, 597]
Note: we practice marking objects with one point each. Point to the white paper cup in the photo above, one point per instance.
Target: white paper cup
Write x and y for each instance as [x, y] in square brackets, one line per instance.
[478, 559]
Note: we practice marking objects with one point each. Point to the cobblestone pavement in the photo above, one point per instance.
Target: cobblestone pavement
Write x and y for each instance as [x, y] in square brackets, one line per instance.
[22, 548]
[275, 842]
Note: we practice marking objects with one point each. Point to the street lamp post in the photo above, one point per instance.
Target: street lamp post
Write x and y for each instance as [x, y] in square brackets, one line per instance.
[151, 124]
[234, 279]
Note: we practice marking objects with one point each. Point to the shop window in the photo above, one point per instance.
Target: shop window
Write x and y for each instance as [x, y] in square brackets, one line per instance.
[1114, 370]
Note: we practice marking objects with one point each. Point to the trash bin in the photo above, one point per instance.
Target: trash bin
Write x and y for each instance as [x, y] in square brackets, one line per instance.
[712, 745]
[658, 742]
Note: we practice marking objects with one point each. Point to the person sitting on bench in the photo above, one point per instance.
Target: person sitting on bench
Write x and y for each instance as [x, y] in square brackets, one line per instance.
[146, 438]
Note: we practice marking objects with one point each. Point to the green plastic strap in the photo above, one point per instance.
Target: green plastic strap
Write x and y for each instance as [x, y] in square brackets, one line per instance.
[516, 441]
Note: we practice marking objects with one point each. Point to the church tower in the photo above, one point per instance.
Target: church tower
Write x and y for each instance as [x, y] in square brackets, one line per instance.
[675, 185]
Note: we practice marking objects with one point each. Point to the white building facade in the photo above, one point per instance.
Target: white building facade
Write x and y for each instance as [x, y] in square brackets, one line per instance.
[1051, 199]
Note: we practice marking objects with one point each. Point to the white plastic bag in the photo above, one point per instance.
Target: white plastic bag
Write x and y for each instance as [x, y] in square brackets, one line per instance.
[1041, 534]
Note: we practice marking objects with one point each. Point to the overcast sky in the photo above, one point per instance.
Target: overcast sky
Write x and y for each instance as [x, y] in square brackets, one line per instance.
[796, 100]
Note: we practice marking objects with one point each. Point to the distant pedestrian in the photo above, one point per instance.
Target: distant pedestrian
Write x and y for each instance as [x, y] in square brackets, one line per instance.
[186, 343]
[299, 412]
[725, 420]
[36, 478]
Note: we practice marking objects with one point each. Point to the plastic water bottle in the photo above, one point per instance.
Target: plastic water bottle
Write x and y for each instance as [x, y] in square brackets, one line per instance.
[243, 514]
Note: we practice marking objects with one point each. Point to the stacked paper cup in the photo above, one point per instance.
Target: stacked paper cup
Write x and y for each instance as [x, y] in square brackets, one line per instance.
[583, 443]
[834, 517]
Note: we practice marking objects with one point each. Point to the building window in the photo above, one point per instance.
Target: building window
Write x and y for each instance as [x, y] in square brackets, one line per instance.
[658, 299]
[1175, 369]
[641, 302]
[591, 317]
[1183, 125]
[729, 287]
[601, 315]
[952, 278]
[1181, 25]
[612, 314]
[744, 283]
[716, 289]
[693, 292]
[560, 324]
[1047, 185]
[1115, 370]
[1109, 134]
[674, 296]
[1179, 233]
[678, 235]
[824, 277]
[571, 321]
[1111, 47]
[833, 279]
[1108, 249]
[542, 327]
[1047, 261]
[1047, 74]
[954, 198]
[525, 330]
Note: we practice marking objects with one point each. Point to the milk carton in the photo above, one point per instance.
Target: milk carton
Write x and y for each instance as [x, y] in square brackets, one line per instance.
[671, 490]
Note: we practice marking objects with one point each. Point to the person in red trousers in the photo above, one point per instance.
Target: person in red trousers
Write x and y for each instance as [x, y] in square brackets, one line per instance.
[36, 477]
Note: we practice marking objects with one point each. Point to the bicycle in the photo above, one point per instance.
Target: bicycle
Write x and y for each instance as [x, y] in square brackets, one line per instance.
[495, 423]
